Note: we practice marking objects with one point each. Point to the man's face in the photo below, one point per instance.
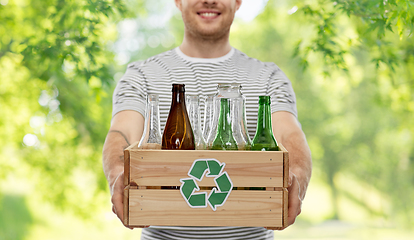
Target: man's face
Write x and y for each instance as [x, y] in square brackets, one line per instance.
[209, 19]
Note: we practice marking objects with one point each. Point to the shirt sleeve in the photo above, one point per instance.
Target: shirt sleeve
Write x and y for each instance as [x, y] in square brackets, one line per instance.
[130, 92]
[281, 92]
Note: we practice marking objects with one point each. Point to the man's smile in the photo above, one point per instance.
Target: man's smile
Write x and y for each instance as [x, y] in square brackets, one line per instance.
[209, 14]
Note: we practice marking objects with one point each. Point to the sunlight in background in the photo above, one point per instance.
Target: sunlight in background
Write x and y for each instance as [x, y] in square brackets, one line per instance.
[30, 140]
[250, 9]
[4, 2]
[293, 10]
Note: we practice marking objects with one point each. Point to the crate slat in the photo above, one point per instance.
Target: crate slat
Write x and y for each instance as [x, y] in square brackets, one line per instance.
[245, 168]
[126, 207]
[242, 208]
[127, 159]
[285, 166]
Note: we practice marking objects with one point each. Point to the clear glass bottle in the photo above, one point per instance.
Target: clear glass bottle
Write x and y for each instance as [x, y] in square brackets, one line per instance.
[264, 139]
[151, 137]
[224, 139]
[193, 108]
[178, 133]
[208, 115]
[240, 132]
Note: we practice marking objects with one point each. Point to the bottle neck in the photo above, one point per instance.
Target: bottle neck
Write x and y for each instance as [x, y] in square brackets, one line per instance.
[153, 115]
[264, 118]
[178, 97]
[193, 108]
[224, 124]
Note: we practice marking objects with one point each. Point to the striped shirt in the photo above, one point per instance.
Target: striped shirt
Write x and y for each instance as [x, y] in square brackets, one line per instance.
[201, 76]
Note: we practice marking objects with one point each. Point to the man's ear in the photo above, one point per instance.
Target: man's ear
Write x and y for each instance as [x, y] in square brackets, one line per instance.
[238, 4]
[178, 4]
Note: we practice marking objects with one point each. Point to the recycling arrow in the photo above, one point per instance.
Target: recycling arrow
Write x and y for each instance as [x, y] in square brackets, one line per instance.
[187, 189]
[198, 169]
[217, 199]
[223, 182]
[188, 186]
[198, 200]
[211, 168]
[214, 167]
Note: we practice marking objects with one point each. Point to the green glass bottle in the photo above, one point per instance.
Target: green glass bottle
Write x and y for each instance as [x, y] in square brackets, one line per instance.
[264, 139]
[224, 138]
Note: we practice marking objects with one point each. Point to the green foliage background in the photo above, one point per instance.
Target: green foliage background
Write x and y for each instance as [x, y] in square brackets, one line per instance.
[351, 64]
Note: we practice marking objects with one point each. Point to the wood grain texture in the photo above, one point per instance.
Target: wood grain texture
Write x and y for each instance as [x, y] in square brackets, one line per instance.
[285, 214]
[126, 167]
[127, 160]
[168, 208]
[126, 207]
[245, 168]
[285, 208]
[147, 169]
[285, 166]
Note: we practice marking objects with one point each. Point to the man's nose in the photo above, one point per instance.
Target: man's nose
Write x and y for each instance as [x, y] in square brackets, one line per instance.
[210, 2]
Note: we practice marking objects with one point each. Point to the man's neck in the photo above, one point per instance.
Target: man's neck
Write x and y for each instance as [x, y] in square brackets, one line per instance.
[205, 48]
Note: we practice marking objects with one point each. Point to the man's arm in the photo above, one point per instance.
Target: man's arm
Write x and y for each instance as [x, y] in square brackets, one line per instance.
[126, 129]
[288, 132]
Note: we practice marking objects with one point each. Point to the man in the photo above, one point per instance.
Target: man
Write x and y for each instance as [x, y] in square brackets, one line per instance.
[204, 59]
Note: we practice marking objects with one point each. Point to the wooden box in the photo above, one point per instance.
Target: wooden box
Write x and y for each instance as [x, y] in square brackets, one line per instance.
[163, 188]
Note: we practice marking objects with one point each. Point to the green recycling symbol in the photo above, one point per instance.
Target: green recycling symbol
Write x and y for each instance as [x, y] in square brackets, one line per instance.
[218, 196]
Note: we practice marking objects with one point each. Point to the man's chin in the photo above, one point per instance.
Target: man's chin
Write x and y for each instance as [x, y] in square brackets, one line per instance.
[211, 34]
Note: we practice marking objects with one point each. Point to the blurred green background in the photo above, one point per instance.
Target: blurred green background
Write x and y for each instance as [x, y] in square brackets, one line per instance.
[351, 64]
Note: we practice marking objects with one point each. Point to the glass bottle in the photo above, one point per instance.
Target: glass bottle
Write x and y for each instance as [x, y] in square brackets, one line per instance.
[224, 139]
[151, 137]
[264, 139]
[240, 132]
[193, 103]
[177, 132]
[232, 91]
[208, 115]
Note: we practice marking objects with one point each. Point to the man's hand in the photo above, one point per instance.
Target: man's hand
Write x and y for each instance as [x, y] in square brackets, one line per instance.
[297, 190]
[288, 132]
[126, 128]
[117, 196]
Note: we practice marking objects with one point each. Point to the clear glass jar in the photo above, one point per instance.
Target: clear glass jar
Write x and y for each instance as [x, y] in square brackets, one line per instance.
[232, 91]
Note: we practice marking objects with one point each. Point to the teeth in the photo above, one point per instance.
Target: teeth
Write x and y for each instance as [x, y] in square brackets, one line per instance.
[208, 14]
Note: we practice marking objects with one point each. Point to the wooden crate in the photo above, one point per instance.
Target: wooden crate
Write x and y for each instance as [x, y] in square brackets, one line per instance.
[145, 203]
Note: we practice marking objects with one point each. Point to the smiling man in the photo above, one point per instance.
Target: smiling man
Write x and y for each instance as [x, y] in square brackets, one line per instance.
[204, 59]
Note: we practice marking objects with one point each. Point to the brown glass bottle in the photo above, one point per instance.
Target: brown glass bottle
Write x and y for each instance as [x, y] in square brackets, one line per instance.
[178, 133]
